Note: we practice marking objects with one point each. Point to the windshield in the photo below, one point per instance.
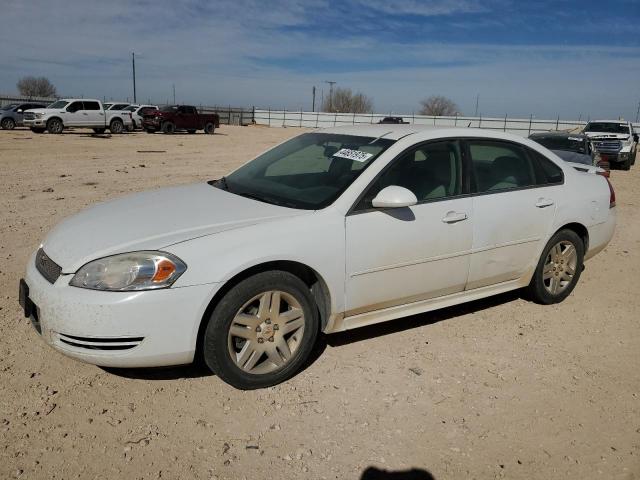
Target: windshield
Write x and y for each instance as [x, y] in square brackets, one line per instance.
[11, 106]
[607, 127]
[59, 104]
[119, 106]
[569, 144]
[308, 172]
[169, 108]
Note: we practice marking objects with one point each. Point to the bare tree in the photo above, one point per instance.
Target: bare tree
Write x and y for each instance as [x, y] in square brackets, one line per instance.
[437, 105]
[344, 100]
[36, 87]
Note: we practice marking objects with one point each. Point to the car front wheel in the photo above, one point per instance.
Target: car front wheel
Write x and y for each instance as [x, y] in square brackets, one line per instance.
[558, 269]
[55, 126]
[262, 331]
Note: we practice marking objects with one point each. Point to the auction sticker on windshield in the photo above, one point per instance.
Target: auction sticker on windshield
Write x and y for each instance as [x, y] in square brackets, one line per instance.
[355, 155]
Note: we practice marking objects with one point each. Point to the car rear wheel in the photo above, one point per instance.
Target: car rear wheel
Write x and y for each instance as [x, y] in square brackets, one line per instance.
[8, 123]
[209, 128]
[262, 331]
[558, 269]
[168, 127]
[116, 126]
[54, 125]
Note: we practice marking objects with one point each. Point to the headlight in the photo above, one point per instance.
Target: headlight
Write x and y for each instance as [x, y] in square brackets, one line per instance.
[39, 115]
[133, 271]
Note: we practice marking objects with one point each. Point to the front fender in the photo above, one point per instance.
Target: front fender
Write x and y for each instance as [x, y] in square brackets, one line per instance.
[315, 240]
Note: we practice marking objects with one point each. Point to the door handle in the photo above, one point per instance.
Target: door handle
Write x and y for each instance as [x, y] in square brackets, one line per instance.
[544, 202]
[453, 217]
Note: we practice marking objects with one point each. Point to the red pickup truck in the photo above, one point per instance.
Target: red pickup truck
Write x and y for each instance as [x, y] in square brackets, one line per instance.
[173, 118]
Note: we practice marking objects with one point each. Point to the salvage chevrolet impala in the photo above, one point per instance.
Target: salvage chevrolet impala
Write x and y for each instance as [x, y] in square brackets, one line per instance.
[329, 231]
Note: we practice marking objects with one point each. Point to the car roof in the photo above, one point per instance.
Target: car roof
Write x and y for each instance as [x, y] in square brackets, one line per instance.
[608, 121]
[394, 131]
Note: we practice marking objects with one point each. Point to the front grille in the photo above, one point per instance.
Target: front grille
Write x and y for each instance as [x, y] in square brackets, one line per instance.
[608, 146]
[47, 267]
[94, 343]
[29, 116]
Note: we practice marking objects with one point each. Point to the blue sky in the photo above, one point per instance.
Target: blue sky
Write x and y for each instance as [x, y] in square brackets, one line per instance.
[546, 58]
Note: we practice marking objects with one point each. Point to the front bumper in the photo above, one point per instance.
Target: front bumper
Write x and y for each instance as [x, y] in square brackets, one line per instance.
[38, 122]
[118, 329]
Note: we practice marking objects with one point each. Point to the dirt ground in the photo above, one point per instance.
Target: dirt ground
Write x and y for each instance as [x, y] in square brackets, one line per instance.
[500, 388]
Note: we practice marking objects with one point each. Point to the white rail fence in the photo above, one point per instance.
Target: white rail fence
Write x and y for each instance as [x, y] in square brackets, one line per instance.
[519, 126]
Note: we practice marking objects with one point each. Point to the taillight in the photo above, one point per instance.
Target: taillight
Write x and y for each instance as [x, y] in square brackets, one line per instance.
[612, 193]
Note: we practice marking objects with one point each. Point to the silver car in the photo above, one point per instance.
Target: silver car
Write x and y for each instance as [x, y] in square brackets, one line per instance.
[11, 115]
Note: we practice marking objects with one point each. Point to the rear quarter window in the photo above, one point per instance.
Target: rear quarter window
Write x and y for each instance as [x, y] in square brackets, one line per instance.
[548, 173]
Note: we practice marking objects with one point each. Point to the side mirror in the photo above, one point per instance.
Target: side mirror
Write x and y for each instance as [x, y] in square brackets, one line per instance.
[394, 196]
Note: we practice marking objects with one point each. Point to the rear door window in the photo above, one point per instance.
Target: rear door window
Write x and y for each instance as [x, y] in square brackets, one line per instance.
[91, 106]
[498, 166]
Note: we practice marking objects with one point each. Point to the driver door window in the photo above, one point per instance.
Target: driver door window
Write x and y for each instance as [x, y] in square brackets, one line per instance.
[432, 171]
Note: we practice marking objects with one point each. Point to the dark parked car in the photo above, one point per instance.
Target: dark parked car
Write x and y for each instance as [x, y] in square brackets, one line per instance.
[570, 147]
[395, 120]
[11, 115]
[173, 118]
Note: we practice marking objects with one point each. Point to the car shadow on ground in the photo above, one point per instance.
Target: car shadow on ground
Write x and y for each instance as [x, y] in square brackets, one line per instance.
[373, 473]
[199, 370]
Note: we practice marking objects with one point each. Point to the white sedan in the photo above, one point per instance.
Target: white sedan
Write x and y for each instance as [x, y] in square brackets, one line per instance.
[329, 231]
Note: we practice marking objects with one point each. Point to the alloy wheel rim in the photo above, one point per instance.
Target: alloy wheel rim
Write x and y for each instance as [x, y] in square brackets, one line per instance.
[560, 267]
[266, 332]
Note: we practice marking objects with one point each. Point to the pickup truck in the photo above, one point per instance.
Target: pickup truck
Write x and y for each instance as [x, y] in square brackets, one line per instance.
[615, 140]
[76, 113]
[173, 118]
[11, 115]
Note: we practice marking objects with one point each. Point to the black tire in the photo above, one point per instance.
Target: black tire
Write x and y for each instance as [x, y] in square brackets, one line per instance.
[626, 165]
[130, 128]
[209, 128]
[8, 124]
[55, 126]
[633, 156]
[150, 130]
[99, 130]
[216, 346]
[538, 290]
[191, 131]
[168, 127]
[116, 126]
[37, 130]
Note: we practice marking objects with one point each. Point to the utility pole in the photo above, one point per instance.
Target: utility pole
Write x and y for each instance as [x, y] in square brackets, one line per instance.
[638, 113]
[331, 84]
[174, 93]
[477, 103]
[133, 65]
[313, 104]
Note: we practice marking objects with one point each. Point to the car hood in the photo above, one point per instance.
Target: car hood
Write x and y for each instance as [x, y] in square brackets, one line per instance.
[574, 157]
[46, 110]
[607, 135]
[153, 220]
